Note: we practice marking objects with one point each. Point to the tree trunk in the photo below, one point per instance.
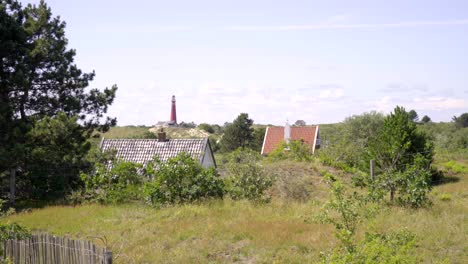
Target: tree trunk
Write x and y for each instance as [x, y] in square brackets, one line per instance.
[12, 186]
[392, 194]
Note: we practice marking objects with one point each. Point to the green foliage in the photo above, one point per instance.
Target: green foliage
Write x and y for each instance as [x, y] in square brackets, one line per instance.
[206, 127]
[214, 143]
[295, 150]
[57, 152]
[40, 85]
[13, 231]
[343, 212]
[258, 136]
[239, 134]
[404, 154]
[299, 123]
[426, 119]
[455, 167]
[346, 144]
[396, 247]
[146, 135]
[179, 180]
[461, 121]
[414, 183]
[246, 176]
[413, 116]
[187, 124]
[113, 182]
[445, 197]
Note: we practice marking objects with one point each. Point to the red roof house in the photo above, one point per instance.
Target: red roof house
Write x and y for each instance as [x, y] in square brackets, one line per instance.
[275, 135]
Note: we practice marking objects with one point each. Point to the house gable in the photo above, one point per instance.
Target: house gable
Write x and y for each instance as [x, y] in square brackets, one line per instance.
[275, 135]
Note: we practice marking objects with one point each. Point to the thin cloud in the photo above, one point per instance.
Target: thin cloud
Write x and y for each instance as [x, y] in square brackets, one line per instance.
[351, 26]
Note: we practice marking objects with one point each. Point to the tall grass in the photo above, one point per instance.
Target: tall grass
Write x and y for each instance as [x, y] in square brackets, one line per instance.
[283, 231]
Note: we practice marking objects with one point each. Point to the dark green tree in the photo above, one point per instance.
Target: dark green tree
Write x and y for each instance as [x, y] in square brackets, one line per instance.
[238, 134]
[426, 119]
[349, 140]
[299, 123]
[258, 137]
[400, 149]
[413, 116]
[461, 121]
[39, 80]
[206, 127]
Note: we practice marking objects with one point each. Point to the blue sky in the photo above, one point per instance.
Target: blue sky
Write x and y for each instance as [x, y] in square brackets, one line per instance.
[320, 61]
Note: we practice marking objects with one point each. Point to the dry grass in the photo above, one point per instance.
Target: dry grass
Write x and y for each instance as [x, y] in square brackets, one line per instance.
[218, 231]
[126, 132]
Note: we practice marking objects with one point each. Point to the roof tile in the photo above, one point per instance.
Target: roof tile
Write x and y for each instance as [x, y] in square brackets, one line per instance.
[143, 150]
[275, 135]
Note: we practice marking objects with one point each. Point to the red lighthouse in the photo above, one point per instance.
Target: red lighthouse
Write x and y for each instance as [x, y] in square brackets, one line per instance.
[173, 120]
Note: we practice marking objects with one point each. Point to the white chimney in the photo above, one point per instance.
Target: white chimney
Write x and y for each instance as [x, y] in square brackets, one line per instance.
[287, 133]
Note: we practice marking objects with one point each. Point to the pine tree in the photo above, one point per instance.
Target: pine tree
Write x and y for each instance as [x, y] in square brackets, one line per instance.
[238, 134]
[38, 80]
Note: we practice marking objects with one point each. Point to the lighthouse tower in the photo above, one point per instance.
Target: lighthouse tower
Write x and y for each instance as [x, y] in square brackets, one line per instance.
[173, 120]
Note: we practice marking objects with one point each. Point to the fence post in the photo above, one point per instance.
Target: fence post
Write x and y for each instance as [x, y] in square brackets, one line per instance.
[372, 166]
[108, 257]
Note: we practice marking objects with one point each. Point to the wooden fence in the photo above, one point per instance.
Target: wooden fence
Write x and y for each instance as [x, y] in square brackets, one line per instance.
[45, 249]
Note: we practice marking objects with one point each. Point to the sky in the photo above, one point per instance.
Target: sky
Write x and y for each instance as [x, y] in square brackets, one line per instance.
[317, 61]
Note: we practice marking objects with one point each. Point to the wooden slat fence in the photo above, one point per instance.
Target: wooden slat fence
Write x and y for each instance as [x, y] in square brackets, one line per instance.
[45, 249]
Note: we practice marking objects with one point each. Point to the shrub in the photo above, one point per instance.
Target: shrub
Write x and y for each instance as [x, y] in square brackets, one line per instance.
[404, 154]
[206, 127]
[146, 135]
[295, 150]
[113, 182]
[414, 184]
[445, 197]
[396, 247]
[290, 186]
[12, 231]
[410, 185]
[455, 167]
[181, 179]
[246, 176]
[342, 211]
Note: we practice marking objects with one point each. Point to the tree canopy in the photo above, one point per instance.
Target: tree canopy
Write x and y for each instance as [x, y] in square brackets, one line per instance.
[404, 155]
[426, 119]
[41, 84]
[238, 134]
[461, 121]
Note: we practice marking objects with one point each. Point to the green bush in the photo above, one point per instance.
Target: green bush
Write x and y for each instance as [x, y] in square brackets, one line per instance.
[343, 211]
[207, 127]
[12, 231]
[113, 182]
[411, 185]
[455, 167]
[445, 197]
[295, 150]
[179, 180]
[247, 178]
[398, 247]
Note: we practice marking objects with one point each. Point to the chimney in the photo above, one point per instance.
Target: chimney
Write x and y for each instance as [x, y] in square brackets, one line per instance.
[287, 133]
[173, 119]
[161, 136]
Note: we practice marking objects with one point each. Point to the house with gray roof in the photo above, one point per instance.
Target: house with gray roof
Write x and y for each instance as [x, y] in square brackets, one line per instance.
[143, 150]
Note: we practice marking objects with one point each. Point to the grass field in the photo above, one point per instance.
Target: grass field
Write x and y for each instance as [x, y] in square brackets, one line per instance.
[282, 231]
